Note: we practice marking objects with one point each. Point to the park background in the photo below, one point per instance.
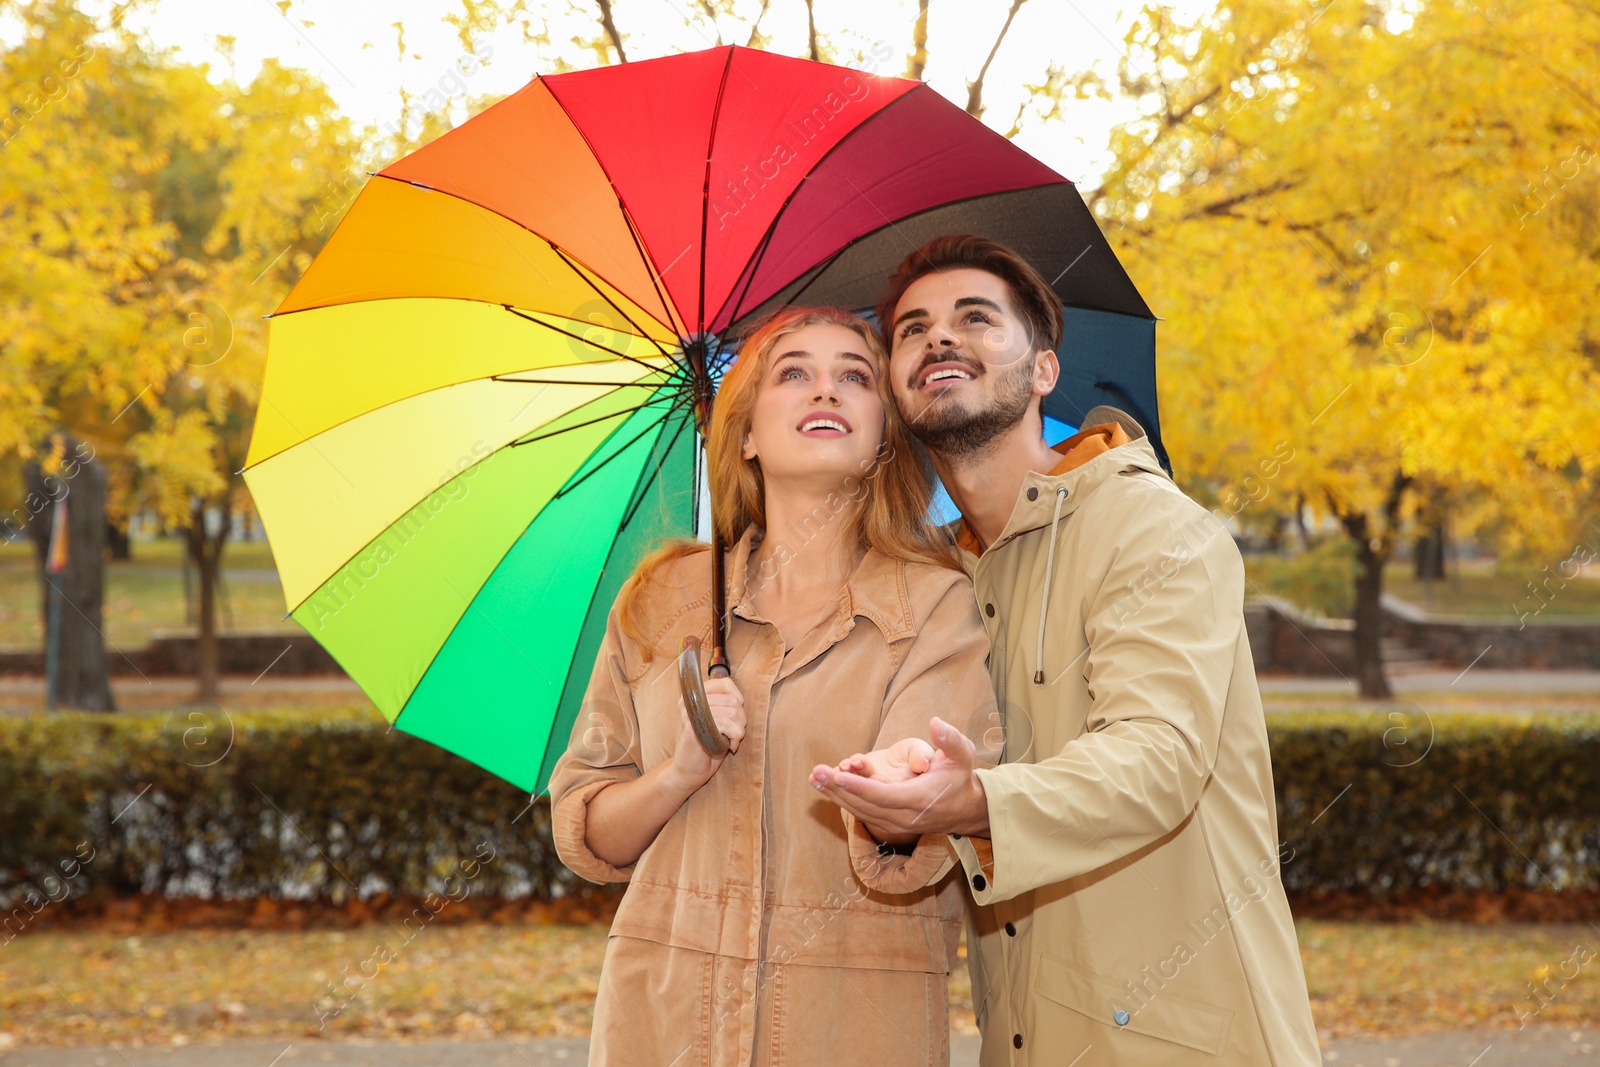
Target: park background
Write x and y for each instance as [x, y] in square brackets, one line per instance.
[1372, 233]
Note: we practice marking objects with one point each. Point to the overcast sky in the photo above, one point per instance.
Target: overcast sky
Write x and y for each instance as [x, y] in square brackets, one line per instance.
[352, 47]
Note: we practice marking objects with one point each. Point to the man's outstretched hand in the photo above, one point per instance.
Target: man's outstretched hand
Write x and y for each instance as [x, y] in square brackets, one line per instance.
[900, 762]
[945, 798]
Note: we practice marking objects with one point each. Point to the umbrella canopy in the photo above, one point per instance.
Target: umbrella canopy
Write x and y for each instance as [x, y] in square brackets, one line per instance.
[479, 404]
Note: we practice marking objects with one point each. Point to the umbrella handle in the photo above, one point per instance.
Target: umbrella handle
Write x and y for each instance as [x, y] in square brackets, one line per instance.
[694, 698]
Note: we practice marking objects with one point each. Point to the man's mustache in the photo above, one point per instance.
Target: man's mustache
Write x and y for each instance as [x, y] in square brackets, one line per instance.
[933, 358]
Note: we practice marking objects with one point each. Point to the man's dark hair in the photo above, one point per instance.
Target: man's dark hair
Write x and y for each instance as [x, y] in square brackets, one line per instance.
[1031, 295]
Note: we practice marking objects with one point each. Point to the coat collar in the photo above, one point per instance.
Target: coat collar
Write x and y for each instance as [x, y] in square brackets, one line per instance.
[1036, 498]
[875, 590]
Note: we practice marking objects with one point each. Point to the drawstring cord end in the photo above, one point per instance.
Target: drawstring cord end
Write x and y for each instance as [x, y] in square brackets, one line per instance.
[1044, 598]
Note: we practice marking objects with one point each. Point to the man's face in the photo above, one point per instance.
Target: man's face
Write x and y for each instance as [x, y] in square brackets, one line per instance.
[963, 367]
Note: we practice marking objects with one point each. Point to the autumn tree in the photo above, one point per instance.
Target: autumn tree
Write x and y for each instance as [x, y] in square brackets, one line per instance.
[153, 217]
[1373, 237]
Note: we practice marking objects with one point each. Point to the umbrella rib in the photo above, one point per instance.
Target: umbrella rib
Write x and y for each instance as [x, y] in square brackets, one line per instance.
[568, 381]
[755, 263]
[648, 482]
[554, 720]
[788, 200]
[603, 348]
[705, 192]
[598, 467]
[650, 267]
[601, 293]
[581, 425]
[821, 267]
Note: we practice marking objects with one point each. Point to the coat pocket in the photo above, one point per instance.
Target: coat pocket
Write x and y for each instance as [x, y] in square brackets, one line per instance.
[1156, 1013]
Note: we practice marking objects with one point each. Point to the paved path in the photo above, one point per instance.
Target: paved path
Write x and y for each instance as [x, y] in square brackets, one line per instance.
[1536, 1046]
[1476, 689]
[1450, 680]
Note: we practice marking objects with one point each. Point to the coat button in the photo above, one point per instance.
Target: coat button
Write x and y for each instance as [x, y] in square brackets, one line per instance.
[988, 609]
[1033, 492]
[979, 883]
[1016, 1040]
[1121, 1017]
[1011, 929]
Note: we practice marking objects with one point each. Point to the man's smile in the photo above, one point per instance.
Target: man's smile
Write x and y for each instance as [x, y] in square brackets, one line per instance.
[944, 372]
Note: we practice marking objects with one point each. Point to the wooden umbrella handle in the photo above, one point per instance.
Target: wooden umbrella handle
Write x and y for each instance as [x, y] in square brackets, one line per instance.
[694, 698]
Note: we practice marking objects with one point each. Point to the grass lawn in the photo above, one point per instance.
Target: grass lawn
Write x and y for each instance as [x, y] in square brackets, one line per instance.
[1480, 591]
[539, 980]
[146, 593]
[1473, 589]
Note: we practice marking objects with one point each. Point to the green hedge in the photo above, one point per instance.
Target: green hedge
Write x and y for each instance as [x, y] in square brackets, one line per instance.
[290, 804]
[313, 804]
[1455, 801]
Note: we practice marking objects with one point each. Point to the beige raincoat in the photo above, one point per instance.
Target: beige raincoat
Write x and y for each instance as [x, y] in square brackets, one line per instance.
[745, 935]
[1133, 912]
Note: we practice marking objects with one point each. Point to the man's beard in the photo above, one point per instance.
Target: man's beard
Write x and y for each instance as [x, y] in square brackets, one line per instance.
[950, 430]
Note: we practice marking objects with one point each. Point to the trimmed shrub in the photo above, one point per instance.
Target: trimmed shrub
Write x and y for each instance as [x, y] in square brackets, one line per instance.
[1404, 799]
[284, 804]
[329, 806]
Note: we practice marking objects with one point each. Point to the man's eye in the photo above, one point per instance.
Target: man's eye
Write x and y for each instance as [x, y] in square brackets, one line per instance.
[978, 316]
[910, 328]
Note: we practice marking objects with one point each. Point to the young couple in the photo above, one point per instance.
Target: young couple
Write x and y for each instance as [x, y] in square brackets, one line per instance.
[1061, 703]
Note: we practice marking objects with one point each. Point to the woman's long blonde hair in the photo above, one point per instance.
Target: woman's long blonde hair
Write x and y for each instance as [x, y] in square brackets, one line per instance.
[893, 517]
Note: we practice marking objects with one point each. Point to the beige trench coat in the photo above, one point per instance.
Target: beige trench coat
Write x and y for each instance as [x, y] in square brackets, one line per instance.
[1133, 913]
[744, 935]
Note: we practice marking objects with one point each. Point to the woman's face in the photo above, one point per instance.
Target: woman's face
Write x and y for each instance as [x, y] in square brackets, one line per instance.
[818, 414]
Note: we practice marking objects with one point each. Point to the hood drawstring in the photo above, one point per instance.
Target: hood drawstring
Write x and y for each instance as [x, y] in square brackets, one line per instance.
[1044, 596]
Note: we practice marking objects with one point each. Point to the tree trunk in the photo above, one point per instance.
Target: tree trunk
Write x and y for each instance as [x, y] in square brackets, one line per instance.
[72, 600]
[1372, 682]
[118, 541]
[204, 550]
[1430, 554]
[1373, 550]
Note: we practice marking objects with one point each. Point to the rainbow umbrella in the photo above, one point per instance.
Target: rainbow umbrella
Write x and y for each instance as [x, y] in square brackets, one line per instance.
[480, 400]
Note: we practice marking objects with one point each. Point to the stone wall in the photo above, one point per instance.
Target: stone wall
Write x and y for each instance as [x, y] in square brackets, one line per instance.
[1503, 644]
[1286, 640]
[176, 652]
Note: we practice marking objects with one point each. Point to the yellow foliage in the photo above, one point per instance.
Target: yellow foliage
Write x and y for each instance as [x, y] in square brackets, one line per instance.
[1371, 230]
[153, 217]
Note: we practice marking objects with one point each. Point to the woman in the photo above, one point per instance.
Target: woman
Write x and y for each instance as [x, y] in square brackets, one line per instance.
[759, 926]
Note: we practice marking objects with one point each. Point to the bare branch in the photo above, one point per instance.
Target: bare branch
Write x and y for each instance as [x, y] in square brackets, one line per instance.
[611, 29]
[711, 14]
[811, 32]
[975, 88]
[918, 60]
[755, 27]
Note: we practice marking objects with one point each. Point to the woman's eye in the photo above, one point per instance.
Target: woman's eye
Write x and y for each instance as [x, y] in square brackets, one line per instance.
[857, 376]
[789, 372]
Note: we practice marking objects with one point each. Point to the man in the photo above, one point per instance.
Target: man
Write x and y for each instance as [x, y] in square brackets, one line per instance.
[1123, 858]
